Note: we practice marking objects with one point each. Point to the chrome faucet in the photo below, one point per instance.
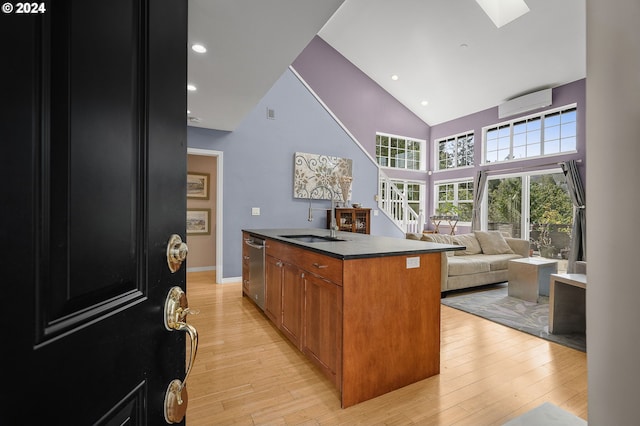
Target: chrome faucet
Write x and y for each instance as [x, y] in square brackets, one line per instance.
[334, 226]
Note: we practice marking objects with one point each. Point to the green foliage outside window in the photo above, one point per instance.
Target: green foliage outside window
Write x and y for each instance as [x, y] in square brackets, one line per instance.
[548, 200]
[455, 198]
[551, 209]
[456, 151]
[398, 152]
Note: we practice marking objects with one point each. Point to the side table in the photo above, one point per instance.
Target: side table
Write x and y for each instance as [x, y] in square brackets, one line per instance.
[529, 277]
[452, 221]
[567, 303]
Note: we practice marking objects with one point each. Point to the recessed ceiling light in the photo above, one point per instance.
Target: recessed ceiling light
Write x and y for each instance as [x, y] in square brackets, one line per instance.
[501, 12]
[464, 45]
[191, 88]
[198, 48]
[394, 77]
[424, 103]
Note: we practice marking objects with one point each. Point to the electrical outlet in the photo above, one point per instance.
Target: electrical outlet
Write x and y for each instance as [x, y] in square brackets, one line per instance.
[255, 211]
[413, 262]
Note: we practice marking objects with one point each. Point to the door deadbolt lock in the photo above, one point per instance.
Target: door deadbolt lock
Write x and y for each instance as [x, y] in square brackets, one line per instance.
[176, 252]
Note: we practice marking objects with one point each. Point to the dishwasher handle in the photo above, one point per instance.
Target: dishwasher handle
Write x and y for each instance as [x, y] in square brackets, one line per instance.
[251, 243]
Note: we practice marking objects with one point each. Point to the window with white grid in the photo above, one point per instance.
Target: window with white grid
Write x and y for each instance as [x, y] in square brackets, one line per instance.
[455, 151]
[546, 134]
[456, 198]
[398, 152]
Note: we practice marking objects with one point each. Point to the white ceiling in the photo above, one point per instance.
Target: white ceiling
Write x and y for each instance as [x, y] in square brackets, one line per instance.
[251, 43]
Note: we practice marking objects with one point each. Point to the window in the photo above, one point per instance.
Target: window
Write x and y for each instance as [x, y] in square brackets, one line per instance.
[546, 134]
[412, 193]
[404, 202]
[398, 152]
[455, 197]
[534, 206]
[455, 151]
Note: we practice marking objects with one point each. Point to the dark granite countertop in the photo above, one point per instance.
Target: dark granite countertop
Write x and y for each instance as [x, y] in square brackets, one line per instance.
[353, 245]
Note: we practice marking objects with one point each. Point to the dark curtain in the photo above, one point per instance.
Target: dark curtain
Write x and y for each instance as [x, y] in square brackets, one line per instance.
[478, 189]
[578, 245]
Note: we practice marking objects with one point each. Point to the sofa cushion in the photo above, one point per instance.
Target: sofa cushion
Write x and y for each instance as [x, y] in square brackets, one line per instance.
[469, 241]
[499, 262]
[493, 242]
[467, 265]
[440, 239]
[437, 238]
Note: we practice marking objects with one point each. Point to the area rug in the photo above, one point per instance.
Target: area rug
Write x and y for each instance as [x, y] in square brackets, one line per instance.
[533, 318]
[547, 414]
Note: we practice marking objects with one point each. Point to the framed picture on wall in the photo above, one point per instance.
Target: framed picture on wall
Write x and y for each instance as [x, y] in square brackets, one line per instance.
[198, 185]
[198, 221]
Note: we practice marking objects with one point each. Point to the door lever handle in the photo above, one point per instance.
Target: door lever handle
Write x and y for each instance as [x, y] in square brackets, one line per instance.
[176, 309]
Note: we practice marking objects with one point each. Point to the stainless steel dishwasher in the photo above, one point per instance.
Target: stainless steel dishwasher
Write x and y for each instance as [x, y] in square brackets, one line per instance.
[256, 269]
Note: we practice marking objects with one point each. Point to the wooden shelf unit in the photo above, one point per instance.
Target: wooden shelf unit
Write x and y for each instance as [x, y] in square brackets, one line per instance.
[352, 219]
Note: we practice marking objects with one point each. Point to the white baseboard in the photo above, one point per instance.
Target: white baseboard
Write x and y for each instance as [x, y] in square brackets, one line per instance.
[201, 268]
[229, 280]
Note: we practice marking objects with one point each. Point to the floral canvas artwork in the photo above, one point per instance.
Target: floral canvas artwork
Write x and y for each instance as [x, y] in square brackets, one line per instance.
[321, 177]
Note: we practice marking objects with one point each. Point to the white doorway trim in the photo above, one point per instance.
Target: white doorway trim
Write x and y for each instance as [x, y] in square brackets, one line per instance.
[219, 186]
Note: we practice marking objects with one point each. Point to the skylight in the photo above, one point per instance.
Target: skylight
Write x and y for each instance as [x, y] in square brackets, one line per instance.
[502, 12]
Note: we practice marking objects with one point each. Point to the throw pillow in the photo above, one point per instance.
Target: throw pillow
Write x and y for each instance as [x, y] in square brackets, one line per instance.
[437, 238]
[468, 240]
[493, 242]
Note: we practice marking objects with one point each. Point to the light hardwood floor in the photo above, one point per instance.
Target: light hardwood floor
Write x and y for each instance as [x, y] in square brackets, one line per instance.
[246, 373]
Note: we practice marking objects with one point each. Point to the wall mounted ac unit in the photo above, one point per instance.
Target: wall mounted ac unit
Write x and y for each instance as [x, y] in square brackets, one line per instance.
[525, 103]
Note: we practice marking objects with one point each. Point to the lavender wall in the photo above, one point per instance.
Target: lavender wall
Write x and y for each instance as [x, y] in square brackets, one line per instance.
[574, 92]
[258, 155]
[364, 108]
[357, 101]
[258, 166]
[563, 95]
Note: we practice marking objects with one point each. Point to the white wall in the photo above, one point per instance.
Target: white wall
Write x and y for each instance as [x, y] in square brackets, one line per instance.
[613, 194]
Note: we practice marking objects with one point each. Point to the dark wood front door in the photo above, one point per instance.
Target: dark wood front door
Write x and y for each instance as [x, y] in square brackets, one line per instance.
[93, 170]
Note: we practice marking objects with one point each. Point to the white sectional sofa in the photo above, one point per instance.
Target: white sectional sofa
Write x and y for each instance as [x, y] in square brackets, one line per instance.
[484, 260]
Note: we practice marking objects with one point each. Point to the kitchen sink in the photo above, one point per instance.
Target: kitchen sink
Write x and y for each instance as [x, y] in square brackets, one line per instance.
[312, 238]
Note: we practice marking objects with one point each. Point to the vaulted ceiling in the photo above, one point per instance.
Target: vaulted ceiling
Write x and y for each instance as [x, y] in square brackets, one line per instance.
[447, 53]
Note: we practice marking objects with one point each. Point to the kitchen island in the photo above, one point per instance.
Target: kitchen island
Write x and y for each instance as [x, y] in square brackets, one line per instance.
[364, 309]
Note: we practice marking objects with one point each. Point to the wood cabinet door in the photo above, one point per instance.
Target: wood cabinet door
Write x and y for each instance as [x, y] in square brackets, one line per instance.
[346, 220]
[273, 289]
[322, 337]
[292, 292]
[352, 220]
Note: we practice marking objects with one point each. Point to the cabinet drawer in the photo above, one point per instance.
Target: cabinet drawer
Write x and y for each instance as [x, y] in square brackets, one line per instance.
[319, 264]
[279, 250]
